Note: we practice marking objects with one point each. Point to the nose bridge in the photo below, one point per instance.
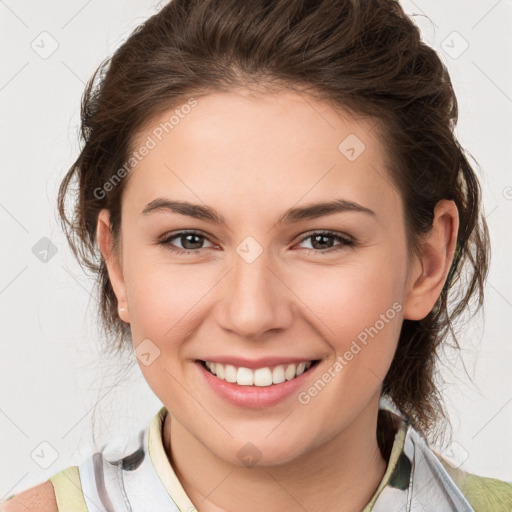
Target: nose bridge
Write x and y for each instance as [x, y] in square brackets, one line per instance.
[253, 301]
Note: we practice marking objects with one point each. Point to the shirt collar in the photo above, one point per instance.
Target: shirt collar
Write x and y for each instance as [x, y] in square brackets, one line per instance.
[396, 475]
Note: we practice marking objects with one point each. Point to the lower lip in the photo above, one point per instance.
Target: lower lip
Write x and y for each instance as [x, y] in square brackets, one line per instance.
[254, 396]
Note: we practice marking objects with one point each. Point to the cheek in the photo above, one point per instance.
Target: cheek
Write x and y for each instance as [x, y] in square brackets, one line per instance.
[350, 297]
[358, 309]
[164, 301]
[163, 297]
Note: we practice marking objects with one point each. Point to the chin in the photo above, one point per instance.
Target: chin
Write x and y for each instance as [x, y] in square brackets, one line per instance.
[261, 451]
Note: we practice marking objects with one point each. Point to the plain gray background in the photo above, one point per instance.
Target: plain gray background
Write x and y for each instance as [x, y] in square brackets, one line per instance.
[52, 379]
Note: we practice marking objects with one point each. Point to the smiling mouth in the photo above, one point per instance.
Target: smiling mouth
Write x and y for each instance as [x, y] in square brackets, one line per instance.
[261, 377]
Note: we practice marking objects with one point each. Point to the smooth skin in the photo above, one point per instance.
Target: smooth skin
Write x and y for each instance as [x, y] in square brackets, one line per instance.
[251, 157]
[40, 498]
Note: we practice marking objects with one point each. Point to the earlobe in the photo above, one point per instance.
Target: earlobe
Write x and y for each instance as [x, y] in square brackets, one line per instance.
[113, 263]
[437, 252]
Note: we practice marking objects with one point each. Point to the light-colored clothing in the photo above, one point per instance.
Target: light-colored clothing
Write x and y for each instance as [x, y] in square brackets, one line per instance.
[140, 478]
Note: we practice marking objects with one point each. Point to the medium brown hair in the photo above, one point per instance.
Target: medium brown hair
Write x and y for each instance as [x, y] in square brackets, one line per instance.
[364, 56]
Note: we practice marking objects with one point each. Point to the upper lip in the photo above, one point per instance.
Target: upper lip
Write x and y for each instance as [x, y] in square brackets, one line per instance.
[257, 363]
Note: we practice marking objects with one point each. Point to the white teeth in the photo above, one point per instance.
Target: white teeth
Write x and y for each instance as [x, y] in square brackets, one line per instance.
[230, 373]
[262, 377]
[219, 370]
[278, 374]
[289, 373]
[244, 377]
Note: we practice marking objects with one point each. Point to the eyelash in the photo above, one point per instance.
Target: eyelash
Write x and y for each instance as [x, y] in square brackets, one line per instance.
[345, 242]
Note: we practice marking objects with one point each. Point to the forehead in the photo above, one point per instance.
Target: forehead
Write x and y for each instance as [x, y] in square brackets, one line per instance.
[248, 148]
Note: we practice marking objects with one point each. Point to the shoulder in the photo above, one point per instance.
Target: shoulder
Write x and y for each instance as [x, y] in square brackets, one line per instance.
[40, 498]
[61, 492]
[483, 493]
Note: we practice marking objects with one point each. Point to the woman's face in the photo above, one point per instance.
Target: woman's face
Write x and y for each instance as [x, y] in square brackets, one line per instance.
[258, 289]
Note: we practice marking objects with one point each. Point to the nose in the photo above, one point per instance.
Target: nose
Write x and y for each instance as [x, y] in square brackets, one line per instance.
[255, 299]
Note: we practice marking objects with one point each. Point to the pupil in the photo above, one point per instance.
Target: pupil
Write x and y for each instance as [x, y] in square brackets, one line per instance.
[321, 239]
[317, 237]
[186, 237]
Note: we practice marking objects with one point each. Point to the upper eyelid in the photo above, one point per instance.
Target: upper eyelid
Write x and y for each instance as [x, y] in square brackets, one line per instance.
[326, 232]
[303, 237]
[179, 234]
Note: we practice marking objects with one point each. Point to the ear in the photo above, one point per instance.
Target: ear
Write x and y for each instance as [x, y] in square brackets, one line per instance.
[113, 262]
[431, 268]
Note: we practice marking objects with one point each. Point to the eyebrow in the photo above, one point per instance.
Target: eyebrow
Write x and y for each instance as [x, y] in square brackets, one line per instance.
[290, 216]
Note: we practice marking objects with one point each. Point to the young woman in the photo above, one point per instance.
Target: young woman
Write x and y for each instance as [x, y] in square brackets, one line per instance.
[284, 227]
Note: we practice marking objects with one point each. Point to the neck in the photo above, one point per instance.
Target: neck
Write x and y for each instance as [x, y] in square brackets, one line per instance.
[343, 473]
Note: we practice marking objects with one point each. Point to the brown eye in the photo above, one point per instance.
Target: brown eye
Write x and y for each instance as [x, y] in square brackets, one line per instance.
[190, 240]
[323, 241]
